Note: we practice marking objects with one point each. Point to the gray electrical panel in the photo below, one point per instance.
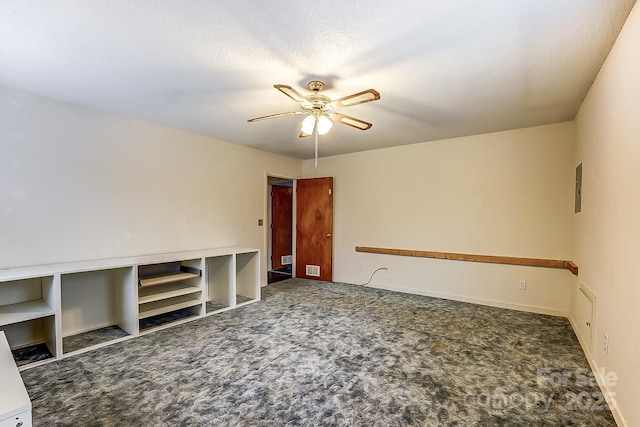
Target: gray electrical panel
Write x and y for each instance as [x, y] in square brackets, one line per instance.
[578, 195]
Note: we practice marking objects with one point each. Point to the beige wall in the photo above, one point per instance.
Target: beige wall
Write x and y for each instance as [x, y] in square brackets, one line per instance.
[607, 232]
[507, 193]
[78, 184]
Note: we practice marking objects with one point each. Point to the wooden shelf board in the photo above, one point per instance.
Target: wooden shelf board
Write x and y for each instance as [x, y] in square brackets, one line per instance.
[24, 311]
[167, 278]
[168, 308]
[169, 293]
[492, 259]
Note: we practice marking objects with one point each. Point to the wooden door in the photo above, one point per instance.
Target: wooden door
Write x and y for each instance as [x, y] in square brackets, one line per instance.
[281, 224]
[314, 228]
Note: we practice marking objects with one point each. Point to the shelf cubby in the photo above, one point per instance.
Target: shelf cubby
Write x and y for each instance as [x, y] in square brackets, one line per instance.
[168, 292]
[247, 277]
[219, 282]
[32, 340]
[27, 314]
[169, 272]
[97, 307]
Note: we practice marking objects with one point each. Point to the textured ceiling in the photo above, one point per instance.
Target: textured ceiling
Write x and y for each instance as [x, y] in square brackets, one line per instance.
[443, 68]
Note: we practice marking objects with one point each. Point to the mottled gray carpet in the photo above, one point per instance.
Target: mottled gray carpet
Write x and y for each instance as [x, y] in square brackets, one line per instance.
[313, 353]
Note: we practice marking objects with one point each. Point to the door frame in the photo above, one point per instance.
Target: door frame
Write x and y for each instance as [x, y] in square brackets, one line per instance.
[267, 215]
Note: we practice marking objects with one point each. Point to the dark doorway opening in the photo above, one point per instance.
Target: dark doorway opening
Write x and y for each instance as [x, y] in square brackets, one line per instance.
[280, 256]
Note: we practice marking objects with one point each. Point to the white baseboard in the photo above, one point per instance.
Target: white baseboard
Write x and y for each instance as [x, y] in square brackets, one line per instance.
[597, 373]
[479, 301]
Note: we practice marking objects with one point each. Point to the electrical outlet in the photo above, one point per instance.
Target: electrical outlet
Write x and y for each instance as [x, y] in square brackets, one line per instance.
[606, 343]
[522, 285]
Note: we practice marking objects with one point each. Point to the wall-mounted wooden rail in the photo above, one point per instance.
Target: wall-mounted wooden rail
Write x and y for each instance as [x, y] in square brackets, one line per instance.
[492, 259]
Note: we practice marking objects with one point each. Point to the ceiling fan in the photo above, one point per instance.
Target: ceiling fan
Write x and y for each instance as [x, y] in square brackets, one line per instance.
[320, 110]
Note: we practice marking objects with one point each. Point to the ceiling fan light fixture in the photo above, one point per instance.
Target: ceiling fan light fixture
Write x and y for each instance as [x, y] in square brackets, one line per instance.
[307, 124]
[319, 110]
[324, 124]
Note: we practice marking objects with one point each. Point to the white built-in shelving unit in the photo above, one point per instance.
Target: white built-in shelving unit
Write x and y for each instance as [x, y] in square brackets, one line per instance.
[70, 308]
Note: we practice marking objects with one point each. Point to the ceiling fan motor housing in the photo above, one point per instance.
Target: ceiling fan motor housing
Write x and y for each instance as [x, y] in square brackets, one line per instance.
[315, 85]
[317, 101]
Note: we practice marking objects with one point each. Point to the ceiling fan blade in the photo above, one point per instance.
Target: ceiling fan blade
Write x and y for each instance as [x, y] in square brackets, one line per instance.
[290, 92]
[303, 135]
[273, 116]
[355, 99]
[351, 121]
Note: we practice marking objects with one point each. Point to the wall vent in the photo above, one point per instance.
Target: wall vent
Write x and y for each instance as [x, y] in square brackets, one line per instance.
[286, 259]
[313, 270]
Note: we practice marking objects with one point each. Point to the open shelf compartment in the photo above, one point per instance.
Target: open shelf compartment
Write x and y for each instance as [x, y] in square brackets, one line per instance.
[27, 315]
[219, 282]
[169, 292]
[32, 340]
[97, 307]
[169, 272]
[247, 277]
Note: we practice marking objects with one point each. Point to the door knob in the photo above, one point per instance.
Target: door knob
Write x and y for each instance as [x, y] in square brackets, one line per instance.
[328, 234]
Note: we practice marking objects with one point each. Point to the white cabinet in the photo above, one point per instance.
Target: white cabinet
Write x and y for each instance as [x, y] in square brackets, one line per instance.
[584, 316]
[15, 405]
[22, 419]
[65, 309]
